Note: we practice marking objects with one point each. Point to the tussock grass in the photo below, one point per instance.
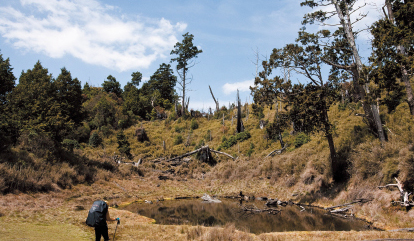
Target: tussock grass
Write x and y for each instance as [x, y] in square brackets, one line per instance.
[228, 232]
[302, 174]
[40, 231]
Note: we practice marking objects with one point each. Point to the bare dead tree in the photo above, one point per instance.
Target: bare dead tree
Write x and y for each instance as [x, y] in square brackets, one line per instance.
[403, 193]
[240, 127]
[215, 101]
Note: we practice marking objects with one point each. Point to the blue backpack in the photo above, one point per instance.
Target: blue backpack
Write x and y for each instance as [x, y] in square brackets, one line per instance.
[97, 214]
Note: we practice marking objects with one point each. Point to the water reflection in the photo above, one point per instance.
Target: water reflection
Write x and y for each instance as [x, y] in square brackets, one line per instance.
[194, 212]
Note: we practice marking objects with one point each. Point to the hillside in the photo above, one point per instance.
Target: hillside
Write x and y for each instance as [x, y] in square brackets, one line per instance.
[66, 182]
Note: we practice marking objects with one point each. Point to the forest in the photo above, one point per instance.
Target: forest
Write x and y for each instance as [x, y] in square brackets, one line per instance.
[341, 134]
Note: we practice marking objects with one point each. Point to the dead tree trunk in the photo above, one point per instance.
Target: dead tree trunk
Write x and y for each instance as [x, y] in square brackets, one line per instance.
[240, 127]
[215, 101]
[279, 151]
[356, 69]
[404, 193]
[204, 148]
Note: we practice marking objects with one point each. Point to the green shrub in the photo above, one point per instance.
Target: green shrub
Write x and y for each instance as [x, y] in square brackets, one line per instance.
[178, 140]
[82, 133]
[106, 130]
[153, 115]
[178, 129]
[70, 144]
[301, 139]
[95, 140]
[251, 150]
[172, 116]
[194, 124]
[227, 143]
[243, 136]
[123, 124]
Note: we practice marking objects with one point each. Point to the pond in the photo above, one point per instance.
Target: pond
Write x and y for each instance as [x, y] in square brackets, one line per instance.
[291, 217]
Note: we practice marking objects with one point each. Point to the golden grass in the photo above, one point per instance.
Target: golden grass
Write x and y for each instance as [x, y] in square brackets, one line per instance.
[301, 174]
[328, 235]
[44, 216]
[40, 231]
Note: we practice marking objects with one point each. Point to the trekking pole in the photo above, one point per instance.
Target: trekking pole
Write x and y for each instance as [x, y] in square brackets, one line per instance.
[119, 221]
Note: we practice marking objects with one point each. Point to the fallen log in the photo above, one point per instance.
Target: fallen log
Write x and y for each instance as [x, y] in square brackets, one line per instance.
[223, 153]
[204, 148]
[187, 154]
[347, 204]
[272, 202]
[341, 210]
[275, 202]
[279, 151]
[403, 230]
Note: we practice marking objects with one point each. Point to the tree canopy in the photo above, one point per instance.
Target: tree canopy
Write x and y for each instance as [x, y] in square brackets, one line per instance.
[7, 84]
[112, 86]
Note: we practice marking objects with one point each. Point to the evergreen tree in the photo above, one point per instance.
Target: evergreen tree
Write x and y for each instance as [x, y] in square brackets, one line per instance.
[95, 140]
[112, 86]
[7, 79]
[164, 82]
[7, 83]
[393, 50]
[69, 95]
[136, 78]
[131, 99]
[186, 51]
[123, 144]
[33, 101]
[45, 105]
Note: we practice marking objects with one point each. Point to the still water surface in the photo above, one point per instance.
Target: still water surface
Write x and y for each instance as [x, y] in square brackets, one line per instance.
[291, 218]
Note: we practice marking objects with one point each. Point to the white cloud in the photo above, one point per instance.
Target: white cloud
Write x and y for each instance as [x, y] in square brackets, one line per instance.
[241, 86]
[89, 31]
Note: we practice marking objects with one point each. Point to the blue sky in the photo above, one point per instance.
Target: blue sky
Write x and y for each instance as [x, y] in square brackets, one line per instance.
[97, 38]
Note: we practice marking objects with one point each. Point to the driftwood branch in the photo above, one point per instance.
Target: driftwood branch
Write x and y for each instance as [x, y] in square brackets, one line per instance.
[279, 151]
[347, 204]
[404, 194]
[209, 199]
[342, 208]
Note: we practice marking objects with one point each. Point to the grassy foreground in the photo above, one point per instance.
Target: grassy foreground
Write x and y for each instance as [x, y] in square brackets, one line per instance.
[47, 199]
[60, 215]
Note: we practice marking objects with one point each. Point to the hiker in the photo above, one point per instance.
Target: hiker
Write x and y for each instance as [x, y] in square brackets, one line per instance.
[97, 217]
